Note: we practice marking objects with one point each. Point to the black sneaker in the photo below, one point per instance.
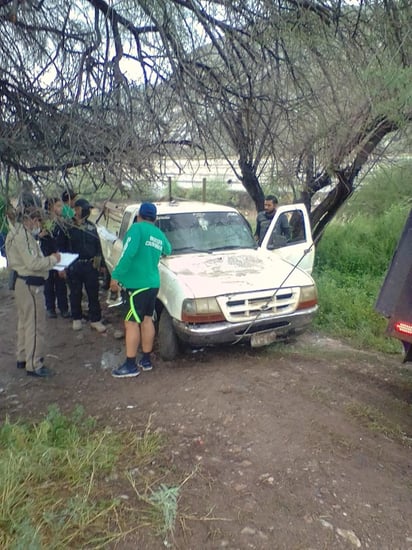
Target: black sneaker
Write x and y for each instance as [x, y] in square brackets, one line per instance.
[145, 366]
[41, 372]
[125, 371]
[51, 314]
[21, 364]
[65, 314]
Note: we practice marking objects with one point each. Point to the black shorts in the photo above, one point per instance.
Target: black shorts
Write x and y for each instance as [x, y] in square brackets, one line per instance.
[139, 303]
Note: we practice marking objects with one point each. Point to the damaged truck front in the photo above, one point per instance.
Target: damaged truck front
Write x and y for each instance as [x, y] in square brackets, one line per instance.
[218, 286]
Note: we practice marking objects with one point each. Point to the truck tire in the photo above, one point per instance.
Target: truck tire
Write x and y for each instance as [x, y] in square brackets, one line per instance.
[167, 338]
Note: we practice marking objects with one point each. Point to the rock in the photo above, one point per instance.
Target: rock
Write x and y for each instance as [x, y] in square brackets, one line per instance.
[109, 360]
[326, 524]
[248, 531]
[349, 536]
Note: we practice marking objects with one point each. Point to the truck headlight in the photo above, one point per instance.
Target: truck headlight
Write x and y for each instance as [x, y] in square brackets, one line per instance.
[308, 297]
[201, 310]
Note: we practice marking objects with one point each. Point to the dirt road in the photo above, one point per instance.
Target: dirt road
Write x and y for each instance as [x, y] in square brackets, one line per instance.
[304, 446]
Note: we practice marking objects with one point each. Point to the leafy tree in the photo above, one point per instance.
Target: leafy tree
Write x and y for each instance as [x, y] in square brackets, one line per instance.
[309, 88]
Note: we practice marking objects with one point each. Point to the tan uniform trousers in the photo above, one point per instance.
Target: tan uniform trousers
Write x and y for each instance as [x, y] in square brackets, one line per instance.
[31, 324]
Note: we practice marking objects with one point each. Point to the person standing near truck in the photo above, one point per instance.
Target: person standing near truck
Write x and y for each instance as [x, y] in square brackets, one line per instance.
[137, 273]
[54, 238]
[32, 268]
[265, 218]
[83, 240]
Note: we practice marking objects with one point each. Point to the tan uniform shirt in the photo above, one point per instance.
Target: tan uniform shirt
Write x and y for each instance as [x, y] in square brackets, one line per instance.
[24, 254]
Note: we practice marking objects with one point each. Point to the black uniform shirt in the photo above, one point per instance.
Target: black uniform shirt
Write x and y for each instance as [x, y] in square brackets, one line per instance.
[84, 240]
[56, 240]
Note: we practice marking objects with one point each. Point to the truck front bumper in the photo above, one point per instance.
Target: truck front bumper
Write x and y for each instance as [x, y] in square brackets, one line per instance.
[281, 327]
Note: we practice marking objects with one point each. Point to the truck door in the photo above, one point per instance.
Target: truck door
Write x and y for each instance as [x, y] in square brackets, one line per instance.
[111, 238]
[289, 236]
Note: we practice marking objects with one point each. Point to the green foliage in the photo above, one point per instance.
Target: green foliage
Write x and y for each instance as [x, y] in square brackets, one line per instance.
[164, 501]
[51, 472]
[217, 191]
[390, 90]
[362, 244]
[354, 255]
[386, 186]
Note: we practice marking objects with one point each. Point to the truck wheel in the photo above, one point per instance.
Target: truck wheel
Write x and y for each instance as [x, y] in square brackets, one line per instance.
[167, 339]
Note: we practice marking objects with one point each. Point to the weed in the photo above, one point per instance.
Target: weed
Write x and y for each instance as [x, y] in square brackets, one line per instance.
[51, 481]
[164, 500]
[376, 421]
[321, 395]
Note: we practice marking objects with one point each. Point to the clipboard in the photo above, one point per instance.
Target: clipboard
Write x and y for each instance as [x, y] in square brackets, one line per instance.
[67, 258]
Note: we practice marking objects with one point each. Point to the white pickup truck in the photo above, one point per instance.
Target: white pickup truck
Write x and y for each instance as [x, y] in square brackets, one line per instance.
[218, 286]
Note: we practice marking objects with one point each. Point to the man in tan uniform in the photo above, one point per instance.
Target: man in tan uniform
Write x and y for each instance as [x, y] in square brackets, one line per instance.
[25, 257]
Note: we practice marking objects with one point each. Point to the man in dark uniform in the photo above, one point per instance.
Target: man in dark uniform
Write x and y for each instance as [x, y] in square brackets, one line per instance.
[265, 218]
[84, 240]
[54, 238]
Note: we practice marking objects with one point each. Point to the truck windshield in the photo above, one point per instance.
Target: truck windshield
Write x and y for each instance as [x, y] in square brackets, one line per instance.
[206, 231]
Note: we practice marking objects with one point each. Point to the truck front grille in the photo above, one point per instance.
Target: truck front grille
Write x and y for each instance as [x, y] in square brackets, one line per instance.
[265, 303]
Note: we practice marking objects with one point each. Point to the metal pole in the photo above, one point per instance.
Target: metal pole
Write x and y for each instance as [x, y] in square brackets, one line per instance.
[204, 190]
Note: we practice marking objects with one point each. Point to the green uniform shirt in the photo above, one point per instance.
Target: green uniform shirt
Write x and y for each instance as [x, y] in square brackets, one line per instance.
[137, 267]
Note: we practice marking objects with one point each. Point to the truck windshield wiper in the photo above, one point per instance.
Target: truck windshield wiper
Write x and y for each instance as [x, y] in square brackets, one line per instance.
[184, 249]
[230, 247]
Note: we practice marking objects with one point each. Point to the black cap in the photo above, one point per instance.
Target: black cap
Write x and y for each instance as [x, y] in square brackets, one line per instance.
[69, 195]
[83, 203]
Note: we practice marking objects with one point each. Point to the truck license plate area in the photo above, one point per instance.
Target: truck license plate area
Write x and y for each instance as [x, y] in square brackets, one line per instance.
[260, 339]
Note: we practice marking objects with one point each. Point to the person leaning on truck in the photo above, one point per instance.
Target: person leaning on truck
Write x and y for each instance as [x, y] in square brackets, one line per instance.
[265, 218]
[25, 257]
[137, 273]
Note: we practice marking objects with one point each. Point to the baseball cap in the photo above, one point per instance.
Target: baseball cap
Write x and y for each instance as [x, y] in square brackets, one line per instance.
[33, 213]
[69, 195]
[148, 210]
[83, 203]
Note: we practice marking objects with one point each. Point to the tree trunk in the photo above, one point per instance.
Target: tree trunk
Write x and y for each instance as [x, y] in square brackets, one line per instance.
[251, 183]
[322, 214]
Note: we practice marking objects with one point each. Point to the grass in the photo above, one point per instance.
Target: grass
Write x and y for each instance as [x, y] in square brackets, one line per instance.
[54, 490]
[354, 255]
[377, 421]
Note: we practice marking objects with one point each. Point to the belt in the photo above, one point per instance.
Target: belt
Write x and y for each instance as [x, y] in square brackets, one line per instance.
[32, 280]
[83, 261]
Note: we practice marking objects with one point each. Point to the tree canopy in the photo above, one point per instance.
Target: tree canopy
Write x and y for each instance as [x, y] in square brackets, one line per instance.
[310, 88]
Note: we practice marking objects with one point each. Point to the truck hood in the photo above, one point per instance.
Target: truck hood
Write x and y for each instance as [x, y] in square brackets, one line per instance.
[220, 273]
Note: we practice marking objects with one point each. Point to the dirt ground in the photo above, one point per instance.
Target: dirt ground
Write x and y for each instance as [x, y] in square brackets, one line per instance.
[299, 446]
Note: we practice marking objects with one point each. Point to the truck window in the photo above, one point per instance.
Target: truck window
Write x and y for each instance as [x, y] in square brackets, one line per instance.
[206, 231]
[289, 229]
